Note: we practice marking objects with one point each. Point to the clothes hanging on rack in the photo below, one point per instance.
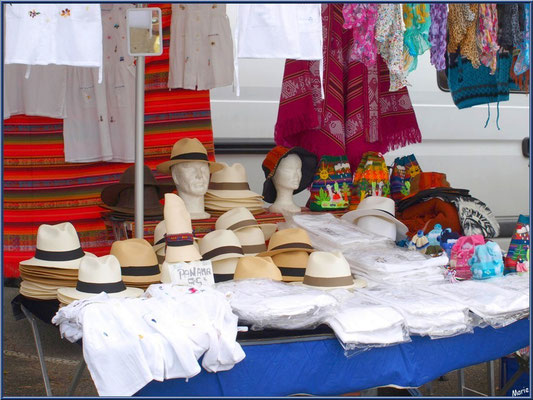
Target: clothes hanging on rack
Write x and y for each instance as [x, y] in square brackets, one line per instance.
[487, 36]
[510, 25]
[415, 40]
[437, 34]
[42, 94]
[290, 31]
[358, 114]
[361, 18]
[100, 123]
[462, 31]
[522, 62]
[62, 34]
[201, 47]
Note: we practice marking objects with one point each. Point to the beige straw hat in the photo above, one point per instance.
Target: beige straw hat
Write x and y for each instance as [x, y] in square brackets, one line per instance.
[240, 218]
[288, 240]
[138, 261]
[231, 182]
[292, 264]
[185, 150]
[250, 267]
[219, 245]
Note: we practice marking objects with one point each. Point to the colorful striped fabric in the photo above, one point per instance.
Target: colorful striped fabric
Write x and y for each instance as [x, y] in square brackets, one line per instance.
[40, 188]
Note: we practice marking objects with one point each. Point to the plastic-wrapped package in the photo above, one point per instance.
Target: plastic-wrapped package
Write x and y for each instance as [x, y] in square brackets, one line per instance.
[393, 265]
[263, 303]
[329, 233]
[516, 282]
[425, 313]
[360, 323]
[496, 305]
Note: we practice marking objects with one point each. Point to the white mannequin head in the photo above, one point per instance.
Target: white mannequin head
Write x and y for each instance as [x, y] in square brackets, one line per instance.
[192, 180]
[286, 180]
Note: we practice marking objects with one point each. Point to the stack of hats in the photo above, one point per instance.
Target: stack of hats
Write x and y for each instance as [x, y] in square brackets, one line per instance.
[229, 189]
[289, 249]
[179, 240]
[250, 267]
[120, 197]
[223, 249]
[96, 275]
[251, 235]
[55, 264]
[138, 262]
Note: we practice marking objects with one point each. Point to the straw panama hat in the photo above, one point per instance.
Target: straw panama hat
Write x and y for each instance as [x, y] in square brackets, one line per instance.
[231, 182]
[288, 240]
[96, 275]
[252, 240]
[239, 218]
[138, 261]
[249, 267]
[179, 238]
[292, 264]
[219, 245]
[58, 246]
[383, 221]
[223, 270]
[186, 150]
[329, 270]
[159, 237]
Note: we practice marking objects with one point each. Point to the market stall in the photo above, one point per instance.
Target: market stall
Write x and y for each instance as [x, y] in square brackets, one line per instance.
[390, 270]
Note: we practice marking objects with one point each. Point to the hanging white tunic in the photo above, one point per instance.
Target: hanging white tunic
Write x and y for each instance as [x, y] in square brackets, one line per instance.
[63, 34]
[201, 47]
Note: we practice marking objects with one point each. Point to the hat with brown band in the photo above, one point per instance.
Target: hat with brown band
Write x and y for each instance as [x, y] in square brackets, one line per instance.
[252, 240]
[138, 261]
[231, 182]
[292, 265]
[285, 240]
[121, 196]
[327, 270]
[220, 245]
[240, 218]
[185, 150]
[249, 267]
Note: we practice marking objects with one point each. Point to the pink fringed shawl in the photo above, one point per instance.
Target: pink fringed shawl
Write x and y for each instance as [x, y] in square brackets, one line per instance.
[358, 114]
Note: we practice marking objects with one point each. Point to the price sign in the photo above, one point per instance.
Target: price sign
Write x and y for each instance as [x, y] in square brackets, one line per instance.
[194, 273]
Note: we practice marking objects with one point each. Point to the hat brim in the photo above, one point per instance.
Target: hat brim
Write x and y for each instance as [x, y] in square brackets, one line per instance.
[110, 194]
[164, 167]
[71, 264]
[234, 194]
[309, 164]
[151, 212]
[182, 254]
[279, 251]
[353, 216]
[73, 294]
[357, 284]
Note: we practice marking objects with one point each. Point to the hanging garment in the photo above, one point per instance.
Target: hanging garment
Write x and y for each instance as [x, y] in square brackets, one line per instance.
[487, 36]
[119, 81]
[522, 62]
[415, 40]
[389, 35]
[201, 47]
[358, 114]
[462, 30]
[437, 34]
[290, 31]
[42, 94]
[510, 25]
[361, 19]
[62, 34]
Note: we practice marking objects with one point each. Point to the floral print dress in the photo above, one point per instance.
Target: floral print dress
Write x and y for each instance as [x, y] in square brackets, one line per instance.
[389, 35]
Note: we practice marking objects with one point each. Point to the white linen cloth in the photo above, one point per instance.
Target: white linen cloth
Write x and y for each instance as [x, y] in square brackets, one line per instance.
[363, 323]
[42, 94]
[497, 306]
[264, 303]
[201, 47]
[129, 342]
[278, 31]
[425, 313]
[62, 34]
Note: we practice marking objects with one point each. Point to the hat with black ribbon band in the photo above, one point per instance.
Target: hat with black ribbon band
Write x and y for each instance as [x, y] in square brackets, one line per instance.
[59, 255]
[140, 271]
[89, 287]
[296, 272]
[223, 277]
[222, 250]
[298, 246]
[190, 156]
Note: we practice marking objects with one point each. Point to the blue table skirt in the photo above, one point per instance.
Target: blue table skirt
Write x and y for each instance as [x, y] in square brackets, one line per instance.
[319, 367]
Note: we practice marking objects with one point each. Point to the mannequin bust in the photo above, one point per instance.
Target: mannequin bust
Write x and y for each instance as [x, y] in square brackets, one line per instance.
[192, 180]
[286, 180]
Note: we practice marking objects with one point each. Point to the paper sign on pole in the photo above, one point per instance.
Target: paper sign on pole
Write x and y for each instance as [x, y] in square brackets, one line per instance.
[194, 273]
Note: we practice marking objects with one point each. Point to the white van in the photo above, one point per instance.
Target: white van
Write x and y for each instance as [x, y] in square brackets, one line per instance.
[487, 161]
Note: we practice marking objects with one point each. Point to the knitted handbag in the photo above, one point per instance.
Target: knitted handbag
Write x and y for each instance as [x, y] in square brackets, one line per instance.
[403, 169]
[517, 258]
[332, 184]
[371, 178]
[470, 86]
